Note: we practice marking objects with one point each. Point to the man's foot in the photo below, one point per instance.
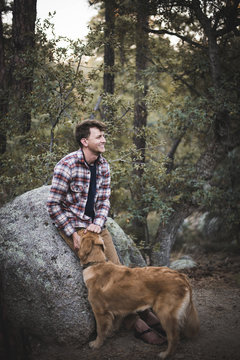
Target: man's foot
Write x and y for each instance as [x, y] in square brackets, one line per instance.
[149, 317]
[148, 335]
[152, 320]
[158, 327]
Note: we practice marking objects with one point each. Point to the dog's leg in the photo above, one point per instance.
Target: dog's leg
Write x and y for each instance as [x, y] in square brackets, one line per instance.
[117, 322]
[170, 325]
[171, 328]
[104, 326]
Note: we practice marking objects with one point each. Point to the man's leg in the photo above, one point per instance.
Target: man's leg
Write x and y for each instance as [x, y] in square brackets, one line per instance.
[110, 250]
[68, 240]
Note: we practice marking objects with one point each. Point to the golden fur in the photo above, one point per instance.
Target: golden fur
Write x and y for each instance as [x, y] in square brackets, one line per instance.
[115, 291]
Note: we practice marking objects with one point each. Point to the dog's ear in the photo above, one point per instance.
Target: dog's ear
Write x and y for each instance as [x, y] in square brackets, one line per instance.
[98, 240]
[85, 247]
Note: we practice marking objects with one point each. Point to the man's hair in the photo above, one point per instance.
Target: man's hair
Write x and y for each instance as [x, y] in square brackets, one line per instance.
[82, 130]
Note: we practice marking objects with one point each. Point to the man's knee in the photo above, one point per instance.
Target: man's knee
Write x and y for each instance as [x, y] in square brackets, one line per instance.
[110, 251]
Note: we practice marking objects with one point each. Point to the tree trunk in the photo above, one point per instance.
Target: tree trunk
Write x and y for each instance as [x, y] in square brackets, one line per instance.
[140, 108]
[108, 78]
[23, 29]
[166, 236]
[3, 88]
[140, 119]
[109, 59]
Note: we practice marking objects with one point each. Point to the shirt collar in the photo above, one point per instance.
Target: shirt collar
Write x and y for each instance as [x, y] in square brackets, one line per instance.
[83, 160]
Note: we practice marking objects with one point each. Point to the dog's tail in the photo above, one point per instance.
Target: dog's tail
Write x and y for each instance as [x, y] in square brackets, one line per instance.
[191, 321]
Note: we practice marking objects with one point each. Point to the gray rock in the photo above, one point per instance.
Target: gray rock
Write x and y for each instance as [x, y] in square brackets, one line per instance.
[185, 262]
[127, 250]
[42, 285]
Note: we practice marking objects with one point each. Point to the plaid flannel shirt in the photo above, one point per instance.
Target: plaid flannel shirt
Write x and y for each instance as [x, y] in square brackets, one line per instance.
[69, 192]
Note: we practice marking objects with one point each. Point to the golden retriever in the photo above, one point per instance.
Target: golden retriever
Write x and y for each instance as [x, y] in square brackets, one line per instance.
[115, 291]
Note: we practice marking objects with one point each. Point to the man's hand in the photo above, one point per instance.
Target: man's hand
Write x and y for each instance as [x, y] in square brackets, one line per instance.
[94, 228]
[76, 241]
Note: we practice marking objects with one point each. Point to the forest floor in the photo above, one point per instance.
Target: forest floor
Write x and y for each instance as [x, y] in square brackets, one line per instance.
[216, 287]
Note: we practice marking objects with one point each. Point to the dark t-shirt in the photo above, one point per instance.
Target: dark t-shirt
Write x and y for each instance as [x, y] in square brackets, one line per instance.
[89, 209]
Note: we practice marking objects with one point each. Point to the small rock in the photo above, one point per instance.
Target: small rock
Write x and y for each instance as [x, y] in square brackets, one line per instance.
[184, 262]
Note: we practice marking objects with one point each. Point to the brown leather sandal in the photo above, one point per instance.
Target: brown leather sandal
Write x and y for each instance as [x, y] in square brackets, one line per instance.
[158, 327]
[139, 335]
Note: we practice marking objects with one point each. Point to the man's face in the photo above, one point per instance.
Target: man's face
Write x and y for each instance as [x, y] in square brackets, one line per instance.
[96, 141]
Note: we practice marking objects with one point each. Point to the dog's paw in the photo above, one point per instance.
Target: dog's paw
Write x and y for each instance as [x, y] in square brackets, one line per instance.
[162, 355]
[94, 344]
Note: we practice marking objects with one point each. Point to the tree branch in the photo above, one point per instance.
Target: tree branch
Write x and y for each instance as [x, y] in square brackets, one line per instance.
[228, 29]
[172, 152]
[97, 106]
[176, 77]
[230, 15]
[126, 111]
[184, 38]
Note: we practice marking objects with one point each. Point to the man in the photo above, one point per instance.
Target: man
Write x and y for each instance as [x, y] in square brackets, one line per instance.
[79, 198]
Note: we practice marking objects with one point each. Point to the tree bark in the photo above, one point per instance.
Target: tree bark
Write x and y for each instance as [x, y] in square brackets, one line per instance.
[23, 29]
[109, 58]
[140, 120]
[107, 112]
[3, 88]
[166, 236]
[140, 107]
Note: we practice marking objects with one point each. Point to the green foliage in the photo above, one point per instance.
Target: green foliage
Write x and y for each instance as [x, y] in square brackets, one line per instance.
[182, 105]
[28, 163]
[59, 99]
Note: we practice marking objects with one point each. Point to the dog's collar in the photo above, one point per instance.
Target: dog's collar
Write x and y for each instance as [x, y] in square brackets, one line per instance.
[91, 263]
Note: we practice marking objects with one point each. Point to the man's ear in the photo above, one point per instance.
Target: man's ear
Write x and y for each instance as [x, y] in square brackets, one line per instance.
[84, 142]
[85, 248]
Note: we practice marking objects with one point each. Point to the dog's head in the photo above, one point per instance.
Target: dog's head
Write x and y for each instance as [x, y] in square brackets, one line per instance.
[91, 248]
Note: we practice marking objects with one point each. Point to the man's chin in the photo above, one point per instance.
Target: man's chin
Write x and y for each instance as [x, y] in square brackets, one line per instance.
[99, 152]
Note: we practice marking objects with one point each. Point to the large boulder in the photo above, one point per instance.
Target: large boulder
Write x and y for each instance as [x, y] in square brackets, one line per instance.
[42, 285]
[126, 249]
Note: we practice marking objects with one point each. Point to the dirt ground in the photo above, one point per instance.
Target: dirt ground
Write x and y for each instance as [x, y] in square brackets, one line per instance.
[216, 286]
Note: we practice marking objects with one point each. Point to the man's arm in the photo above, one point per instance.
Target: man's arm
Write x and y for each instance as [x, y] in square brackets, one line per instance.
[102, 205]
[58, 192]
[76, 241]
